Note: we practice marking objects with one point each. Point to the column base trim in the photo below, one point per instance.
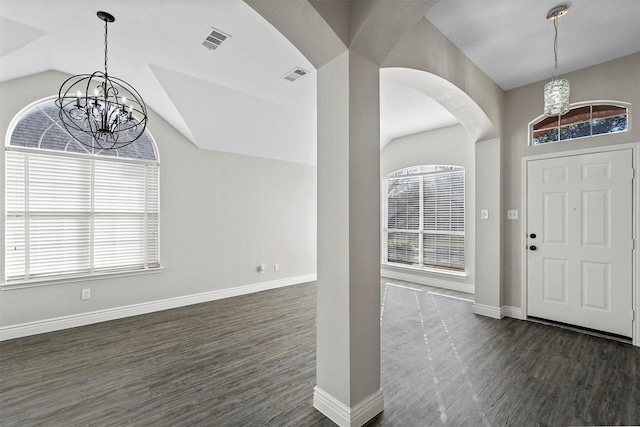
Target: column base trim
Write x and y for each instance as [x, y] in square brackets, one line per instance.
[513, 312]
[487, 310]
[344, 416]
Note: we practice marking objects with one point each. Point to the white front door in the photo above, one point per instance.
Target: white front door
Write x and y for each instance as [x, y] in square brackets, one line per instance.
[579, 240]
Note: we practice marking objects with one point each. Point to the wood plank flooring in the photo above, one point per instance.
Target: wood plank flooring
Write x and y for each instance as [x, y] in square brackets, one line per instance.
[250, 361]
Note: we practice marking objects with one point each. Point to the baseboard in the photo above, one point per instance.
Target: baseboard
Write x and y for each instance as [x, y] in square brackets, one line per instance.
[429, 281]
[513, 312]
[344, 416]
[65, 322]
[487, 310]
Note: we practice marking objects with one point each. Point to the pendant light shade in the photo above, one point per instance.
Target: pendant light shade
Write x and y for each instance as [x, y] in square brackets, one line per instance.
[556, 97]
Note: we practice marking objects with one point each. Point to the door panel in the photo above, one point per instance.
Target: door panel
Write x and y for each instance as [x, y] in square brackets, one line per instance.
[595, 285]
[554, 286]
[555, 206]
[595, 218]
[580, 209]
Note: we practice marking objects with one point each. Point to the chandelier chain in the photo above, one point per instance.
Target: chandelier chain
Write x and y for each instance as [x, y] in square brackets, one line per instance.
[105, 47]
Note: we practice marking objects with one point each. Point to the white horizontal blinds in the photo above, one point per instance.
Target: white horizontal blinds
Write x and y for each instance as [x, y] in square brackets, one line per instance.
[76, 215]
[443, 223]
[402, 212]
[119, 215]
[152, 224]
[15, 219]
[443, 251]
[126, 218]
[403, 202]
[59, 222]
[424, 217]
[403, 248]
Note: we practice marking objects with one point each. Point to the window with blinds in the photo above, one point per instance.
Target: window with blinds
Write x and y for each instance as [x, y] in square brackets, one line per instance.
[424, 217]
[74, 213]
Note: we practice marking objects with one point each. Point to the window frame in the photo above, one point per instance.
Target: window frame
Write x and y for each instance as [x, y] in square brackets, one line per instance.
[114, 270]
[574, 106]
[421, 231]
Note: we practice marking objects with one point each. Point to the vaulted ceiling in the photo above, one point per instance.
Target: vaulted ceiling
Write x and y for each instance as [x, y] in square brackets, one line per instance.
[211, 96]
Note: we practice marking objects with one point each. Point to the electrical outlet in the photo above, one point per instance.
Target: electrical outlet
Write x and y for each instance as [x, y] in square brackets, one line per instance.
[512, 214]
[86, 294]
[276, 267]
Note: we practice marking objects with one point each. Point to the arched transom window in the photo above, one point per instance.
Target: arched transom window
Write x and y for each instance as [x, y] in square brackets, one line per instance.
[580, 122]
[73, 212]
[424, 218]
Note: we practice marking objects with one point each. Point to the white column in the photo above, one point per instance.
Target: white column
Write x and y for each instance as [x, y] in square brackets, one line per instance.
[348, 351]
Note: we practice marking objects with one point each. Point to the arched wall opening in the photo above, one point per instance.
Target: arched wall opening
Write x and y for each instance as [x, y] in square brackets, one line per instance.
[451, 144]
[454, 145]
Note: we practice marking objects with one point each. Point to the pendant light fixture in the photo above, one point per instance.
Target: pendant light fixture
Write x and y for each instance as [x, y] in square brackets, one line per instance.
[101, 111]
[556, 92]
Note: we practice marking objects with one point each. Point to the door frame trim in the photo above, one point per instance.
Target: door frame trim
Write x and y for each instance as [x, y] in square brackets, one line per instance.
[635, 290]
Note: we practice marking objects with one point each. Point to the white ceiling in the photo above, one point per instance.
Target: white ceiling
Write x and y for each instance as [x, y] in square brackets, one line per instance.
[512, 41]
[405, 111]
[211, 97]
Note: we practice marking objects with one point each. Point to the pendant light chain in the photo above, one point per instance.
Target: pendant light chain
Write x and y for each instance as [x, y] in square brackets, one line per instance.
[555, 48]
[557, 91]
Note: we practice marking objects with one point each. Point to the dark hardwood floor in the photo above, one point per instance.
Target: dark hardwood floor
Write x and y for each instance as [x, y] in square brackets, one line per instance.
[250, 361]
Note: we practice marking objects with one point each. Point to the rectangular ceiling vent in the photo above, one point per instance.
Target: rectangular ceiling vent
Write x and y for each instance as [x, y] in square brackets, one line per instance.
[295, 74]
[214, 39]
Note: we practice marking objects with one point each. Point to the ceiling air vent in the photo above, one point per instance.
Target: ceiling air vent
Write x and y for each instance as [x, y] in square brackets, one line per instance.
[295, 74]
[214, 39]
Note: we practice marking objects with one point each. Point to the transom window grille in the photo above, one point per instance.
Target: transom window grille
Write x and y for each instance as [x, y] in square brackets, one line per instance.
[424, 218]
[580, 122]
[71, 212]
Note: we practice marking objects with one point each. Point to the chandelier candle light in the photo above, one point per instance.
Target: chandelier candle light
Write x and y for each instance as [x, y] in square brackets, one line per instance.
[556, 92]
[101, 111]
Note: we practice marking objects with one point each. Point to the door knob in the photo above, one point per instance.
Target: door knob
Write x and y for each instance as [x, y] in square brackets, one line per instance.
[532, 247]
[532, 235]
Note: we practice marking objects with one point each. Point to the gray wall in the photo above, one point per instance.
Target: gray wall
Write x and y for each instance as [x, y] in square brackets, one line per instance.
[221, 216]
[617, 80]
[446, 146]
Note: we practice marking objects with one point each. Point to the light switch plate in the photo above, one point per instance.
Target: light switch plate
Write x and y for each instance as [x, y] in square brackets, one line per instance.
[484, 214]
[512, 214]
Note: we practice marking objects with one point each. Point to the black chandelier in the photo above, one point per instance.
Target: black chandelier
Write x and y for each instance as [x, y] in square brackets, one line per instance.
[101, 111]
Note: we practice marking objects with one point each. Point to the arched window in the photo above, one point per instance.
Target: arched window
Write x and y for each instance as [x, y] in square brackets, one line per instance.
[424, 218]
[583, 120]
[73, 212]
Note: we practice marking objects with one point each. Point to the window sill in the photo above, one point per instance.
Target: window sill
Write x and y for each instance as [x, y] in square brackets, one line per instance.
[435, 271]
[35, 283]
